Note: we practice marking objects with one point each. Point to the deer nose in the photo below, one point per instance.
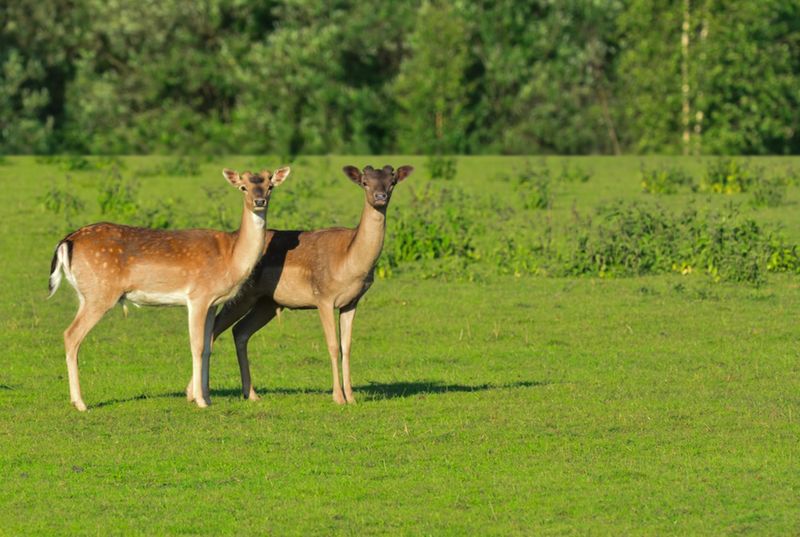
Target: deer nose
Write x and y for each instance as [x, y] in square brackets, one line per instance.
[381, 196]
[260, 203]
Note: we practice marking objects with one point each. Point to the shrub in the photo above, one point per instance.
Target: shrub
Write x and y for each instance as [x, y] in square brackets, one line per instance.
[441, 167]
[727, 175]
[63, 200]
[769, 191]
[636, 239]
[174, 167]
[80, 163]
[573, 174]
[534, 184]
[664, 179]
[117, 197]
[437, 226]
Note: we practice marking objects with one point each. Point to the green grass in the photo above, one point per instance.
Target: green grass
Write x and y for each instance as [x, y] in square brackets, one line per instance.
[507, 406]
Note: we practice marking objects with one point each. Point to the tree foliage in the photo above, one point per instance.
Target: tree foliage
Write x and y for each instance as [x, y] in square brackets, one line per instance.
[425, 76]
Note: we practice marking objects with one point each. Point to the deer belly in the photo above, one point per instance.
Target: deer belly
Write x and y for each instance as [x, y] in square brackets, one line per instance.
[228, 296]
[156, 298]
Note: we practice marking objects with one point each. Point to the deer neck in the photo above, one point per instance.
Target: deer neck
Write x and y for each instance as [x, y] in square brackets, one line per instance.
[367, 243]
[249, 243]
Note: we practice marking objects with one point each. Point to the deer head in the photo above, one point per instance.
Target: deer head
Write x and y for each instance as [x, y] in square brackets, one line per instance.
[257, 187]
[378, 184]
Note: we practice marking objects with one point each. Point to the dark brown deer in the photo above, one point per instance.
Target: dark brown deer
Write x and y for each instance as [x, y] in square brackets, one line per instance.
[326, 269]
[197, 268]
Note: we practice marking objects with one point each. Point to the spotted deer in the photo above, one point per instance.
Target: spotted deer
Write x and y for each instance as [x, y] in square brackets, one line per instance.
[198, 268]
[326, 269]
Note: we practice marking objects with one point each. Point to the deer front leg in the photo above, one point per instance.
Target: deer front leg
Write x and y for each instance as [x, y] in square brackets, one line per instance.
[326, 316]
[199, 314]
[230, 313]
[346, 316]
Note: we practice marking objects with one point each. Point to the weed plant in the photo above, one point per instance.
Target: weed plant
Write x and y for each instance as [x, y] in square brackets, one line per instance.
[665, 179]
[574, 173]
[441, 167]
[440, 230]
[637, 239]
[728, 175]
[534, 185]
[769, 191]
[80, 163]
[175, 167]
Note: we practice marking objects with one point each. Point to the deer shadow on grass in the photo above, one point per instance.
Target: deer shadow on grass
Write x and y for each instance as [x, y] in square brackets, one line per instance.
[220, 392]
[394, 390]
[369, 392]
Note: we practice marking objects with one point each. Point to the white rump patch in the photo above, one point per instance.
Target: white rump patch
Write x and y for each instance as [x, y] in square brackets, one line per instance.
[62, 264]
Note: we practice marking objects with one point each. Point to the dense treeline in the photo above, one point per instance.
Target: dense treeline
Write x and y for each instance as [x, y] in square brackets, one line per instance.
[318, 76]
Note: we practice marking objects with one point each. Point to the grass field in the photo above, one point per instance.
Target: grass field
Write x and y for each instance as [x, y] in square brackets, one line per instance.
[489, 404]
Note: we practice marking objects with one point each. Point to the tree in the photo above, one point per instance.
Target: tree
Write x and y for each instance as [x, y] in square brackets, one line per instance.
[544, 76]
[38, 44]
[431, 87]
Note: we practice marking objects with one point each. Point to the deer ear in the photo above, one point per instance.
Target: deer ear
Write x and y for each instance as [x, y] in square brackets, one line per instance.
[403, 172]
[232, 177]
[353, 173]
[279, 176]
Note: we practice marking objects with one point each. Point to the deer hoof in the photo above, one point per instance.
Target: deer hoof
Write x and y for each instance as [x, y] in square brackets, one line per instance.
[253, 397]
[350, 398]
[202, 403]
[80, 405]
[338, 398]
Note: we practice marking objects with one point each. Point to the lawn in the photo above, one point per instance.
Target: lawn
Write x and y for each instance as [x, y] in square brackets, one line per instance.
[488, 403]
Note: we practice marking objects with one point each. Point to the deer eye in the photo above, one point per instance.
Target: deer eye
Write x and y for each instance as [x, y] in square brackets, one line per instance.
[243, 188]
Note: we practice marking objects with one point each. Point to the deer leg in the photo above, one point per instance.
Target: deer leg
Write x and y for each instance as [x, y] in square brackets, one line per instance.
[346, 316]
[262, 313]
[89, 314]
[229, 314]
[326, 316]
[208, 343]
[198, 315]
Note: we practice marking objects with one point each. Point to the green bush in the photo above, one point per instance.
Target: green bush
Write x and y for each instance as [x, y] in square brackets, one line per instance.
[173, 167]
[769, 191]
[80, 163]
[438, 226]
[574, 174]
[727, 175]
[636, 239]
[442, 167]
[535, 186]
[117, 198]
[63, 200]
[664, 179]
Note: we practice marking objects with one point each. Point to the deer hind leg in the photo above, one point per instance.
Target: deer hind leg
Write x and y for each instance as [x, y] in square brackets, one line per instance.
[261, 314]
[89, 314]
[201, 318]
[346, 316]
[326, 316]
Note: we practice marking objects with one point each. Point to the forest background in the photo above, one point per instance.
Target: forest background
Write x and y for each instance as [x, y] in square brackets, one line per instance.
[345, 77]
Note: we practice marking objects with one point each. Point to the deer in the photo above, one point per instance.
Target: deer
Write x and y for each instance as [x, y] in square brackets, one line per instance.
[326, 269]
[109, 263]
